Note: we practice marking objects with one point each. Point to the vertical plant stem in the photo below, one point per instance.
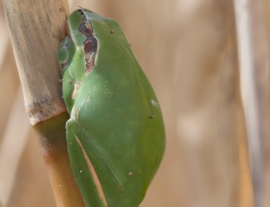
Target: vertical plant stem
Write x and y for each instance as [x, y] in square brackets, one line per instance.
[52, 139]
[253, 54]
[232, 133]
[36, 29]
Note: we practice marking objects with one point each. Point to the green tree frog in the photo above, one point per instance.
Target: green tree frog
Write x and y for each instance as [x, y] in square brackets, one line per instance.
[115, 134]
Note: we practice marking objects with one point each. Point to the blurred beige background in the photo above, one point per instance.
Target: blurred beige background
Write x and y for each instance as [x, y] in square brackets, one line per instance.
[188, 53]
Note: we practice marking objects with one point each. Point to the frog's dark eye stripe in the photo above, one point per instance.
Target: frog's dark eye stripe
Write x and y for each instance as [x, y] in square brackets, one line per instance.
[90, 43]
[86, 28]
[90, 50]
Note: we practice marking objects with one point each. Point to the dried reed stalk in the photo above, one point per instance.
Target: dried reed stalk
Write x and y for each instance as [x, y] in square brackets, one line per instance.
[253, 52]
[36, 29]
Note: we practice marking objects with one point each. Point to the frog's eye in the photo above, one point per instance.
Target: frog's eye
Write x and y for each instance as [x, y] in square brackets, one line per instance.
[86, 28]
[80, 11]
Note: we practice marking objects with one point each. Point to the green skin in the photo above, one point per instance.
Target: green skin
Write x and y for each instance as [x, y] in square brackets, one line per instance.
[115, 134]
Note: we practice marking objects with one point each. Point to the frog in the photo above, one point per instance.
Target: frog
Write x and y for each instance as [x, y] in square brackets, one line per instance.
[115, 134]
